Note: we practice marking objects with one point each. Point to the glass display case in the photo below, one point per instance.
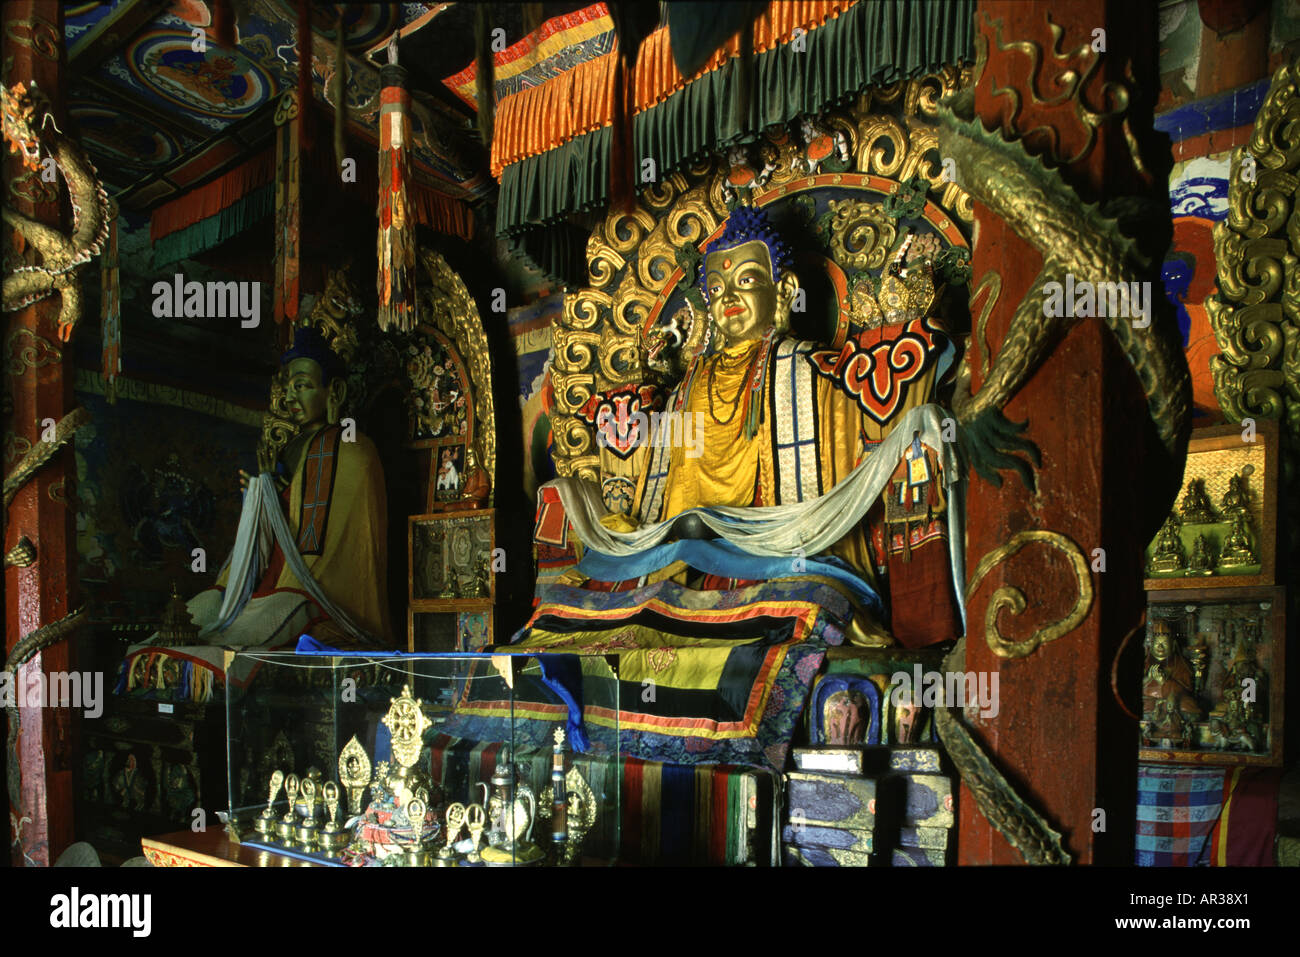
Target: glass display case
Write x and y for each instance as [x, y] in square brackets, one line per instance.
[443, 760]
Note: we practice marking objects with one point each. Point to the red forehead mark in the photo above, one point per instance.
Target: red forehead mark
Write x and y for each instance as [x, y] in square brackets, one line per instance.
[726, 264]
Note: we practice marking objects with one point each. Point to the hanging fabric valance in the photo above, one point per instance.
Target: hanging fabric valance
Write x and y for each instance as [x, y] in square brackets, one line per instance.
[214, 230]
[208, 200]
[556, 94]
[209, 215]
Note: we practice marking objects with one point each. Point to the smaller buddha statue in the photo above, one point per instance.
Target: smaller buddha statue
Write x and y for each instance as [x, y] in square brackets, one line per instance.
[1237, 549]
[1167, 677]
[477, 485]
[1165, 725]
[1195, 506]
[1236, 500]
[845, 716]
[1201, 562]
[1167, 555]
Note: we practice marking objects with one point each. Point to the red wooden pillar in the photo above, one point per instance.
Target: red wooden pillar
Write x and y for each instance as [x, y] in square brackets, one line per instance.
[38, 368]
[1059, 737]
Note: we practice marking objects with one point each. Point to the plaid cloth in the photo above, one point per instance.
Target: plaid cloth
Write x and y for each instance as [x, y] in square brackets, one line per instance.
[1177, 810]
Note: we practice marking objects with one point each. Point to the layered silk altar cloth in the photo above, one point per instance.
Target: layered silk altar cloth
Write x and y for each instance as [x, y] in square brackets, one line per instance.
[730, 669]
[796, 531]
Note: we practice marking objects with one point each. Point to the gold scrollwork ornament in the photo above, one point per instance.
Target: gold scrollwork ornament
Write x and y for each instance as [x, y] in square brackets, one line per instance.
[1013, 598]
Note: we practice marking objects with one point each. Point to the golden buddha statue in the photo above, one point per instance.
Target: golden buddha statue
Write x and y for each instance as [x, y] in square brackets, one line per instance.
[325, 494]
[1237, 550]
[1195, 506]
[1201, 561]
[785, 421]
[1167, 555]
[1236, 500]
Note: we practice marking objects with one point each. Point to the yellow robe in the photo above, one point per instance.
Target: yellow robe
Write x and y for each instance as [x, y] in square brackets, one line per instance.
[351, 566]
[734, 470]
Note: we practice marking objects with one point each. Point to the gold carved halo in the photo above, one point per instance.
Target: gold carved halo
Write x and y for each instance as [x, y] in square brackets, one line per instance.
[598, 341]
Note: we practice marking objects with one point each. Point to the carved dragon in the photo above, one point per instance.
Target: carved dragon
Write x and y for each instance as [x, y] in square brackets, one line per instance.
[1075, 238]
[28, 123]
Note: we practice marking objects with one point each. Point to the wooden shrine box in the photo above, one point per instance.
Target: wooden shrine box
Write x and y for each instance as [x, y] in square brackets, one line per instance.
[452, 588]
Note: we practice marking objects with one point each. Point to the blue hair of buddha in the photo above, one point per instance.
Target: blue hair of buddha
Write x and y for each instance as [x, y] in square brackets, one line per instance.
[310, 344]
[745, 225]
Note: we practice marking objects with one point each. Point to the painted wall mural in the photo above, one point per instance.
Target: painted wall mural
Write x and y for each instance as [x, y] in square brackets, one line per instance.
[1198, 198]
[155, 480]
[530, 331]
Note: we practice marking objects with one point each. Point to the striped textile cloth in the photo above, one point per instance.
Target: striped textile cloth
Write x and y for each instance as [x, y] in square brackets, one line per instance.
[671, 814]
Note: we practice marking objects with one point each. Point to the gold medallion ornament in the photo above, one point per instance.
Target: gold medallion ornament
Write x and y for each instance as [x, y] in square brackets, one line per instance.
[406, 723]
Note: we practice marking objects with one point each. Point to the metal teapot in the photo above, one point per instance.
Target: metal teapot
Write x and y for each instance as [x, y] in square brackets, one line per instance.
[509, 823]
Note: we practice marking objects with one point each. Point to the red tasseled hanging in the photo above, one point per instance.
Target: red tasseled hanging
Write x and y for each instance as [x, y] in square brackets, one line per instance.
[305, 96]
[396, 280]
[110, 311]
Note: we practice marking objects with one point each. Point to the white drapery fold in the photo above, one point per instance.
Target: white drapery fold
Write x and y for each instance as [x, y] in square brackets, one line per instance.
[805, 528]
[261, 523]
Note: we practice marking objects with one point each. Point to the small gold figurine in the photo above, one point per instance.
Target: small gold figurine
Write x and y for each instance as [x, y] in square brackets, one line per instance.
[1236, 500]
[285, 827]
[264, 824]
[354, 774]
[1195, 506]
[1237, 550]
[475, 819]
[1201, 562]
[416, 856]
[1167, 555]
[306, 829]
[332, 837]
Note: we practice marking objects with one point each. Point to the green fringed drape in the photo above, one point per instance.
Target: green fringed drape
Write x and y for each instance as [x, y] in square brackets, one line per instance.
[214, 230]
[873, 42]
[537, 195]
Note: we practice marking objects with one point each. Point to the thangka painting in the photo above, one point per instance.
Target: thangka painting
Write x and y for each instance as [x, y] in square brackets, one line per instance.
[1198, 198]
[155, 481]
[530, 332]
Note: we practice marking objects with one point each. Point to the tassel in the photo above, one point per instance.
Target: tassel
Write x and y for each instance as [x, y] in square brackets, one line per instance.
[288, 212]
[396, 247]
[340, 92]
[305, 96]
[223, 24]
[485, 75]
[110, 310]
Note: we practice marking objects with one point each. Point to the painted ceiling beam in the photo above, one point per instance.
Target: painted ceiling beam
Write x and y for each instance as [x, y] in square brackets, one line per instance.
[112, 34]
